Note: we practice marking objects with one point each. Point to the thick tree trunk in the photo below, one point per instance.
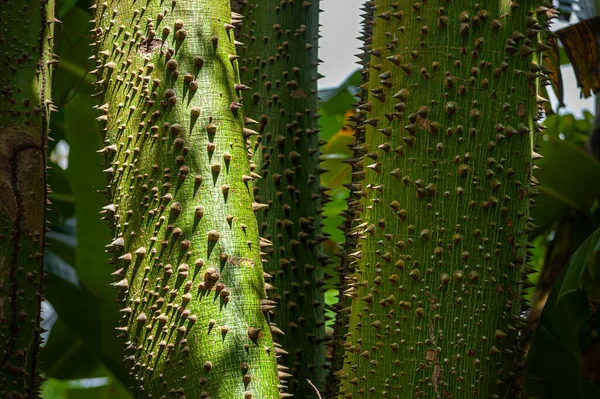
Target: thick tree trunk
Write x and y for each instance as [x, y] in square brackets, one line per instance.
[443, 225]
[279, 66]
[186, 237]
[26, 45]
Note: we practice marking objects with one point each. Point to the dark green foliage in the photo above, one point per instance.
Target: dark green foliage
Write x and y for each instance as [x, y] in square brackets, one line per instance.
[567, 331]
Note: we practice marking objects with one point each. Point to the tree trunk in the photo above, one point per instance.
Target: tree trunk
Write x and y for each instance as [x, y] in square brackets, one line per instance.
[347, 265]
[186, 238]
[442, 234]
[26, 45]
[279, 66]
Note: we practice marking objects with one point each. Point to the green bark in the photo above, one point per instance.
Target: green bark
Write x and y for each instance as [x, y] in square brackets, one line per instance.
[26, 47]
[279, 66]
[442, 233]
[186, 246]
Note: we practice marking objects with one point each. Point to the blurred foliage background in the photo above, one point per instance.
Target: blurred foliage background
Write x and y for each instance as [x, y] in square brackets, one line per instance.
[82, 356]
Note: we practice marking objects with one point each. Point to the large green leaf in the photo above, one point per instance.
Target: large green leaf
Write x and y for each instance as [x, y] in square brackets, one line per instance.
[72, 45]
[86, 178]
[568, 177]
[88, 318]
[554, 359]
[584, 260]
[66, 355]
[98, 385]
[61, 198]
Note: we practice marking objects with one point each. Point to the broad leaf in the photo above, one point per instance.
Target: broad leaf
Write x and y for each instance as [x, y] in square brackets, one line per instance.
[86, 178]
[554, 359]
[568, 177]
[66, 355]
[580, 43]
[89, 318]
[335, 103]
[585, 259]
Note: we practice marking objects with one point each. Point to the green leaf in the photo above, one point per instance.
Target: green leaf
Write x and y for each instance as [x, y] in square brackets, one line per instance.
[584, 259]
[66, 355]
[63, 7]
[72, 45]
[90, 318]
[97, 385]
[554, 358]
[86, 178]
[61, 197]
[568, 177]
[61, 241]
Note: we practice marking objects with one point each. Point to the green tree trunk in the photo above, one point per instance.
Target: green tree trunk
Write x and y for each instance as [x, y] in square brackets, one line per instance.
[186, 245]
[347, 265]
[442, 233]
[279, 66]
[25, 105]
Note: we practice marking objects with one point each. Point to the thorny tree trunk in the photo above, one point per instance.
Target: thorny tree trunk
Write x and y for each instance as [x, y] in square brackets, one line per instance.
[279, 66]
[186, 237]
[442, 234]
[26, 47]
[346, 267]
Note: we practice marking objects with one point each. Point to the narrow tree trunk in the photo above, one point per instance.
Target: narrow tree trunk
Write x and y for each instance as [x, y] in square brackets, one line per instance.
[26, 46]
[186, 239]
[352, 213]
[445, 199]
[279, 66]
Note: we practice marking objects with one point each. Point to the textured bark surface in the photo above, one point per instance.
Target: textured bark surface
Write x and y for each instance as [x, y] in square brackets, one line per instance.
[26, 45]
[279, 65]
[186, 246]
[443, 222]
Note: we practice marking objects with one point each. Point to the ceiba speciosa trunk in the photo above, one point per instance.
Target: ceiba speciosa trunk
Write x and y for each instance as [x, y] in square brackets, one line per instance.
[278, 65]
[446, 185]
[26, 46]
[186, 244]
